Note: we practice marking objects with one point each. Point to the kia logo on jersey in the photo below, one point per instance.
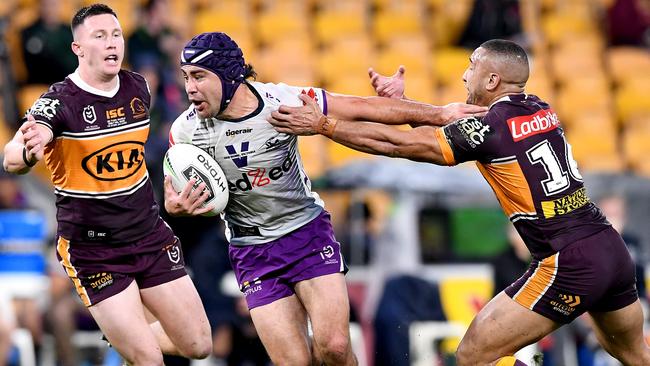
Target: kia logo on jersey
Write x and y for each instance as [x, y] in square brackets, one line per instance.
[526, 126]
[115, 162]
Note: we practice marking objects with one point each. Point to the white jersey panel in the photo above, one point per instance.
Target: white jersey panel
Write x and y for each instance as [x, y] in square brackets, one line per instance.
[270, 193]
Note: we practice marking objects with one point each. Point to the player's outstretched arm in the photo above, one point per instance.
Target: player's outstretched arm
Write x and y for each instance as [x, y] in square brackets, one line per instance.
[26, 147]
[188, 202]
[392, 111]
[418, 144]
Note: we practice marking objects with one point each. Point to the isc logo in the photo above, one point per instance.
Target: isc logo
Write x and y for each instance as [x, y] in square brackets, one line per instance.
[115, 113]
[114, 162]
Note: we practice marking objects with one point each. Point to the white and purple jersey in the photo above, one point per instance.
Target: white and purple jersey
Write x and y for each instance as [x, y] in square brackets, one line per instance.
[270, 193]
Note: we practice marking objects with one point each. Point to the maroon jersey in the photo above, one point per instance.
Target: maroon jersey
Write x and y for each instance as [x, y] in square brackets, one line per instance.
[520, 149]
[96, 159]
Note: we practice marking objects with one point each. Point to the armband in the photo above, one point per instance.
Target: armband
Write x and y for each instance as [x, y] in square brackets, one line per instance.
[326, 126]
[27, 161]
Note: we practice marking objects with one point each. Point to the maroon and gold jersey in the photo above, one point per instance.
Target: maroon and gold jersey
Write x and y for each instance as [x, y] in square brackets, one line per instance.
[96, 158]
[520, 149]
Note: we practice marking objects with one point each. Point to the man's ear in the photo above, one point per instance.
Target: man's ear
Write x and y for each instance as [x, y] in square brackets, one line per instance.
[493, 82]
[76, 49]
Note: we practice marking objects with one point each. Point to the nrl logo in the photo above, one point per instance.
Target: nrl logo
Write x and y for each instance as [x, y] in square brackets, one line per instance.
[174, 254]
[89, 114]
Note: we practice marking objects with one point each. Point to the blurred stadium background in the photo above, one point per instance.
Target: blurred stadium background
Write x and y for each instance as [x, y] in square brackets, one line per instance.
[427, 246]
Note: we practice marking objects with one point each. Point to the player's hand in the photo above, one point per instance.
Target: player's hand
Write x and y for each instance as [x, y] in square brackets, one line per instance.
[32, 139]
[388, 86]
[297, 120]
[189, 201]
[454, 111]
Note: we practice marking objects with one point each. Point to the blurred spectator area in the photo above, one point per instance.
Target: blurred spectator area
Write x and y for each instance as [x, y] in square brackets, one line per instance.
[598, 90]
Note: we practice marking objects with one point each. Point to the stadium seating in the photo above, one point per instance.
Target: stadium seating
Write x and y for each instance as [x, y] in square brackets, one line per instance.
[631, 99]
[387, 24]
[447, 21]
[627, 63]
[313, 153]
[449, 65]
[350, 57]
[636, 148]
[331, 25]
[28, 94]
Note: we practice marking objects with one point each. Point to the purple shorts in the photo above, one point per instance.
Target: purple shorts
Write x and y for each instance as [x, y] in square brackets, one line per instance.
[268, 272]
[101, 271]
[593, 274]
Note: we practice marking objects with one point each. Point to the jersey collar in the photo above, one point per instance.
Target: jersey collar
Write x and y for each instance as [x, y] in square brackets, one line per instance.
[76, 78]
[506, 98]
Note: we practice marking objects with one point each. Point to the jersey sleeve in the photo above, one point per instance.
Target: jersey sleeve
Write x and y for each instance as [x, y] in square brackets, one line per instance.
[49, 110]
[468, 139]
[180, 132]
[290, 95]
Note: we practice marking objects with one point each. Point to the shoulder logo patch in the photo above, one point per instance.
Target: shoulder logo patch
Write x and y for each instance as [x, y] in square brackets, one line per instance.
[473, 130]
[45, 107]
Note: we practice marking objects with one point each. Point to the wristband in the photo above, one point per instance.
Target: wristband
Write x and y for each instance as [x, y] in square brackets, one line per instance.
[326, 126]
[27, 162]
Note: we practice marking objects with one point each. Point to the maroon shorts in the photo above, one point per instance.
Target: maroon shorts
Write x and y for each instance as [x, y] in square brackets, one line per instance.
[100, 271]
[593, 274]
[268, 272]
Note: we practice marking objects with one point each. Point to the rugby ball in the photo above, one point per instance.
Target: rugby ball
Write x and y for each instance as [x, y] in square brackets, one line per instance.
[184, 161]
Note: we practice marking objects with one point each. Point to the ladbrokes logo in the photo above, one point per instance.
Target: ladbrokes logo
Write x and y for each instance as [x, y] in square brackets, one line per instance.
[115, 162]
[526, 126]
[260, 176]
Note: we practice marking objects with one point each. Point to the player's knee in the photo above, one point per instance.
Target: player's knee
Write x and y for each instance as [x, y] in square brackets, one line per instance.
[334, 349]
[465, 355]
[199, 350]
[297, 357]
[141, 357]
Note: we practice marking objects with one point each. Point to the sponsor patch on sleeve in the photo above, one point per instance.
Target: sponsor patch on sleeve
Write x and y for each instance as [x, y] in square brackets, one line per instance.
[45, 107]
[473, 130]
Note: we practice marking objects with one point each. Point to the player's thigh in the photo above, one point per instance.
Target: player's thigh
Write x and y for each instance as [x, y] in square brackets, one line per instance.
[178, 307]
[121, 319]
[621, 331]
[282, 327]
[503, 327]
[326, 301]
